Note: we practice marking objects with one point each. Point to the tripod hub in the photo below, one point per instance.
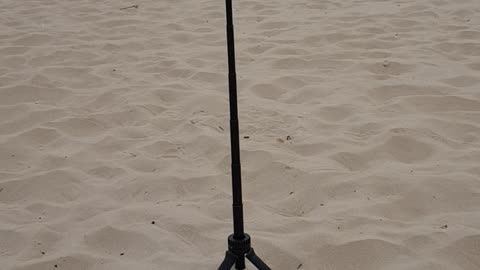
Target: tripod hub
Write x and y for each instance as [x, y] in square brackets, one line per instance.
[238, 250]
[239, 247]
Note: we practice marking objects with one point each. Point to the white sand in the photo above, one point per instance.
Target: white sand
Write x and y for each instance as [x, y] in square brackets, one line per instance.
[111, 119]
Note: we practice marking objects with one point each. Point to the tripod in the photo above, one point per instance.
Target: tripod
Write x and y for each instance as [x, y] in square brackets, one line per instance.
[239, 245]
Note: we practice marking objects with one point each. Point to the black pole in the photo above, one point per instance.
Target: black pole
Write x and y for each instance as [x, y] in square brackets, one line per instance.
[238, 230]
[239, 245]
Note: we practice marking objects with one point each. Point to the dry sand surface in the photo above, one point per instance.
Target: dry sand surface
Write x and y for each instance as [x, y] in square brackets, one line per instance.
[363, 120]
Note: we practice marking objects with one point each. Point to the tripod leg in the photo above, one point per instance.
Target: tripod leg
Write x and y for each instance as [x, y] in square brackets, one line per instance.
[240, 265]
[255, 260]
[229, 261]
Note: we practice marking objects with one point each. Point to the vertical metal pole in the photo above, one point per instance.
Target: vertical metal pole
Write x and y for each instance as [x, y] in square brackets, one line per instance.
[238, 230]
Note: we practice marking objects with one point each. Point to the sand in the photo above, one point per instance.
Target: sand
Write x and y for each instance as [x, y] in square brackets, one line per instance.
[360, 134]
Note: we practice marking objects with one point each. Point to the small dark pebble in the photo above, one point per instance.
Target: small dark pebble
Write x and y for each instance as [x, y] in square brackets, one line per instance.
[322, 204]
[246, 137]
[221, 128]
[121, 254]
[289, 138]
[43, 252]
[56, 265]
[292, 192]
[300, 265]
[444, 226]
[338, 227]
[153, 222]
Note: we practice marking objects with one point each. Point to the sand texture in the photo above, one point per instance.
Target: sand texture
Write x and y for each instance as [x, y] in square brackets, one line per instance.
[359, 121]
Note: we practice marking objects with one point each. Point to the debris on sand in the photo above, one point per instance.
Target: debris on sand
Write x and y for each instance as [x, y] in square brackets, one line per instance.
[134, 6]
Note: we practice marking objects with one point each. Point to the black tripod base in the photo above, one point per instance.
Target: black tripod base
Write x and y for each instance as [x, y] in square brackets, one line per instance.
[237, 251]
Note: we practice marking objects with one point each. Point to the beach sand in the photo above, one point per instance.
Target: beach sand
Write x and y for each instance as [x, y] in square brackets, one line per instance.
[359, 122]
